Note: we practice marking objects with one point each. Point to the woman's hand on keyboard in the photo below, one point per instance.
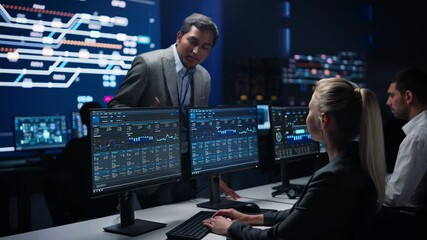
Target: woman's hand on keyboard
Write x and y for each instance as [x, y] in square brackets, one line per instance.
[235, 215]
[218, 224]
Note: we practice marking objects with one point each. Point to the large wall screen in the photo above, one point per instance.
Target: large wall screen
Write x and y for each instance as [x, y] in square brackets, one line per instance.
[56, 55]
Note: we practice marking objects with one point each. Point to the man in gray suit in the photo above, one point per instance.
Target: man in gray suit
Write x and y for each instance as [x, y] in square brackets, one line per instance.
[160, 77]
[172, 77]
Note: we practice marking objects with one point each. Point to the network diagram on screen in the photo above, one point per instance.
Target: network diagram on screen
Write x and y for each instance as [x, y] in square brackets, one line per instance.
[52, 48]
[60, 54]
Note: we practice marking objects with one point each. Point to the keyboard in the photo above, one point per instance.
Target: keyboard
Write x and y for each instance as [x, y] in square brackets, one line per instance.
[192, 228]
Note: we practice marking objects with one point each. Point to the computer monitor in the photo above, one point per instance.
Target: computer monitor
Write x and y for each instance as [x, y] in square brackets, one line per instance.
[133, 148]
[263, 118]
[78, 129]
[221, 139]
[291, 139]
[39, 132]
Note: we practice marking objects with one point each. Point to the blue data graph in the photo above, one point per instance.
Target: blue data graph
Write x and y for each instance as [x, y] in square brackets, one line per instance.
[222, 138]
[290, 134]
[134, 143]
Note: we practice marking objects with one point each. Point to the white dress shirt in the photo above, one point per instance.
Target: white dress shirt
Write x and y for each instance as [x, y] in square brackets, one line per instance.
[183, 80]
[406, 186]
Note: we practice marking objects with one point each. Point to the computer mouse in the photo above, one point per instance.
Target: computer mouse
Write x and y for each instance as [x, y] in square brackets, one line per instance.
[248, 208]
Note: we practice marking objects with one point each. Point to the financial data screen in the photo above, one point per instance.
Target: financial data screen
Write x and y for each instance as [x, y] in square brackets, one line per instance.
[290, 135]
[134, 147]
[56, 55]
[223, 138]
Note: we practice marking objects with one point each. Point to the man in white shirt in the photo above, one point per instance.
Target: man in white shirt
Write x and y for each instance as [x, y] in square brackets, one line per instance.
[407, 185]
[404, 207]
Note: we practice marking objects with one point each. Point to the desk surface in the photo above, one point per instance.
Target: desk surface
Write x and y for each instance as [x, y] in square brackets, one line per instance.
[172, 215]
[263, 194]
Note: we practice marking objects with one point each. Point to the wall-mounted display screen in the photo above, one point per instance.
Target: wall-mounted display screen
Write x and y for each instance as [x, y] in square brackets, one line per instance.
[56, 55]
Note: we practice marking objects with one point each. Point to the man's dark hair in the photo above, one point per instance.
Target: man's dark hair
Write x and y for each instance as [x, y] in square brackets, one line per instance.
[84, 111]
[414, 80]
[201, 22]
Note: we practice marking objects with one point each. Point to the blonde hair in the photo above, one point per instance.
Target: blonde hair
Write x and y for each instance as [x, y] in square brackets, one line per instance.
[358, 115]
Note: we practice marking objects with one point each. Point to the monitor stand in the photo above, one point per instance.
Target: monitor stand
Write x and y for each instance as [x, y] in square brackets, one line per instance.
[290, 190]
[215, 200]
[128, 224]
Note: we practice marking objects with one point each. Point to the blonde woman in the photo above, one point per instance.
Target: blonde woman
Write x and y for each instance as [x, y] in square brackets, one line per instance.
[340, 197]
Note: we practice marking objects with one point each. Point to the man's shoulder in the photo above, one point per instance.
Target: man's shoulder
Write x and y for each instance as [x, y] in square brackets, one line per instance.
[156, 53]
[201, 70]
[154, 57]
[417, 127]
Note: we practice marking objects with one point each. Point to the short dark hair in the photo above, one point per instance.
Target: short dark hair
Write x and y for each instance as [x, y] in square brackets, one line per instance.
[414, 80]
[201, 22]
[84, 111]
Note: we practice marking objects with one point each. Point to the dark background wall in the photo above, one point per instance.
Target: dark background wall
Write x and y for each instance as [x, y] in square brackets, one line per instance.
[398, 42]
[390, 34]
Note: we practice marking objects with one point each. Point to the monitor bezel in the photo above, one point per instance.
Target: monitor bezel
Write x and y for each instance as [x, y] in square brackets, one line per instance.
[40, 147]
[188, 169]
[139, 184]
[294, 157]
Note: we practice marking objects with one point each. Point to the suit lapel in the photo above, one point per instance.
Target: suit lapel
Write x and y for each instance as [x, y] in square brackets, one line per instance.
[197, 87]
[168, 63]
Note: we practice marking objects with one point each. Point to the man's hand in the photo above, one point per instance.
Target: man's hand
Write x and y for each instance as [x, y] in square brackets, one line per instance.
[155, 103]
[228, 191]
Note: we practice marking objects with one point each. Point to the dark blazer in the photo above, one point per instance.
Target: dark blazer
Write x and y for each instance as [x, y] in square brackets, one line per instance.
[153, 75]
[334, 205]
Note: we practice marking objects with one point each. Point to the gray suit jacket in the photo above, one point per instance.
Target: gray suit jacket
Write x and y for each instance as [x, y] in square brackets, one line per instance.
[153, 75]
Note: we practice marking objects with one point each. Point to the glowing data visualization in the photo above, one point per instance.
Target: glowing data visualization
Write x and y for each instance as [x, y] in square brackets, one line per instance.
[56, 55]
[51, 45]
[290, 135]
[40, 132]
[307, 69]
[222, 138]
[134, 144]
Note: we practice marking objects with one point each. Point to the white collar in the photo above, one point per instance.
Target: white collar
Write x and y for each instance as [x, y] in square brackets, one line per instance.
[178, 64]
[416, 121]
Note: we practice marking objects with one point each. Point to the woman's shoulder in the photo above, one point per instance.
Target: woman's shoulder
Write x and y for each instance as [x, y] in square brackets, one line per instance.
[343, 171]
